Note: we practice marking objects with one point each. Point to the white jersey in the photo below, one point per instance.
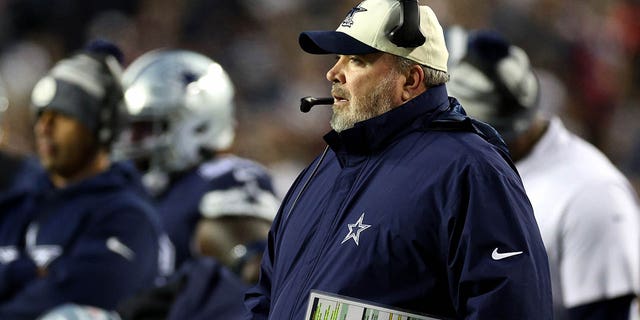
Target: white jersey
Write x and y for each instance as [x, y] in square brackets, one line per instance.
[588, 216]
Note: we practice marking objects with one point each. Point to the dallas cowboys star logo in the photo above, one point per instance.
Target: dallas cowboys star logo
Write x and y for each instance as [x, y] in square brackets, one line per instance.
[355, 234]
[348, 21]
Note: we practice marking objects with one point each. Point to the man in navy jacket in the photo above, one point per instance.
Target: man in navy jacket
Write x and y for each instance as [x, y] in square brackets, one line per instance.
[93, 239]
[413, 205]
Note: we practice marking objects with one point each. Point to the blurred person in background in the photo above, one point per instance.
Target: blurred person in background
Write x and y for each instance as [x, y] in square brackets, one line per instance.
[412, 205]
[217, 207]
[181, 128]
[12, 165]
[15, 168]
[586, 209]
[17, 174]
[9, 163]
[230, 239]
[94, 238]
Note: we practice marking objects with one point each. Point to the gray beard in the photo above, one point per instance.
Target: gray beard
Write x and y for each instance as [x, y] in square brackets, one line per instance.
[372, 105]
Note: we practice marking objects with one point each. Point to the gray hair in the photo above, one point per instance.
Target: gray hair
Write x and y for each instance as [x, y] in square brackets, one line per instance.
[432, 77]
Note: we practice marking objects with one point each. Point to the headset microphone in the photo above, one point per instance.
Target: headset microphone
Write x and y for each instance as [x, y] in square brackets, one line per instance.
[307, 103]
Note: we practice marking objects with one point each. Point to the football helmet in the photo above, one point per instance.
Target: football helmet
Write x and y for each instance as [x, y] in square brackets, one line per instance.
[180, 106]
[494, 82]
[72, 311]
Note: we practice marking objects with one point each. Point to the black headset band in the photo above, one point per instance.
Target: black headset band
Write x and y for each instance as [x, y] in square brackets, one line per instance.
[407, 33]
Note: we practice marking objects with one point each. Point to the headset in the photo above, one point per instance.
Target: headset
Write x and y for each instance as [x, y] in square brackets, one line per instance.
[307, 103]
[110, 114]
[407, 33]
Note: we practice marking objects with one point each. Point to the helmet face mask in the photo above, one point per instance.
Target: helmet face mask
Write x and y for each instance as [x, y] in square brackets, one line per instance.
[179, 103]
[141, 140]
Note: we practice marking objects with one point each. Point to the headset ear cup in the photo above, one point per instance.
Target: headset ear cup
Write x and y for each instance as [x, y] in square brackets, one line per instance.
[104, 131]
[407, 33]
[110, 113]
[112, 116]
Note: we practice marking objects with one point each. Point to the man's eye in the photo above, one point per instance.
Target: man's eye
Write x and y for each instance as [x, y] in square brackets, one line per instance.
[355, 59]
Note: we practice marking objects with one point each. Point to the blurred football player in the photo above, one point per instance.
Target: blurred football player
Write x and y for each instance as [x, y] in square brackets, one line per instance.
[586, 209]
[217, 207]
[95, 238]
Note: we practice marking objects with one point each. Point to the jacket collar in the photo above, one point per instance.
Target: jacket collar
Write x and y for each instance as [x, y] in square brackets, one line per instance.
[119, 174]
[375, 133]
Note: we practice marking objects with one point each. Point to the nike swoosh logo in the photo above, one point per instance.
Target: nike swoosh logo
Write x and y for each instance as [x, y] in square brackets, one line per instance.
[495, 255]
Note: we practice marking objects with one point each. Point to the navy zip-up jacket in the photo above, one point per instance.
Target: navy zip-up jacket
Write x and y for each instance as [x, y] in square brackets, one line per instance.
[413, 209]
[98, 241]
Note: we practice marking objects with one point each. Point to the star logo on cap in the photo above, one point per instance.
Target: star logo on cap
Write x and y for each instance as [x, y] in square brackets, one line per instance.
[348, 21]
[355, 229]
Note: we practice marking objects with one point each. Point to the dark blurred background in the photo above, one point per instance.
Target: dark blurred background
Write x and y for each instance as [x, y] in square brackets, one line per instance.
[586, 52]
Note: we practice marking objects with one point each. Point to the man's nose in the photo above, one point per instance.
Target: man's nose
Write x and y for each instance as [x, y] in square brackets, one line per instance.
[335, 74]
[45, 122]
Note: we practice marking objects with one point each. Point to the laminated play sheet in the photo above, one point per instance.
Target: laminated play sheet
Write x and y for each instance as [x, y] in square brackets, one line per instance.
[328, 306]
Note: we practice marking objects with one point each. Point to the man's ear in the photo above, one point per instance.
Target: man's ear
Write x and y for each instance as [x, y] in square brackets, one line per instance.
[414, 83]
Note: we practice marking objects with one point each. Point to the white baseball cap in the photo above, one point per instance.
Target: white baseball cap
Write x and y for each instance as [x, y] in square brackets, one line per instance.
[366, 30]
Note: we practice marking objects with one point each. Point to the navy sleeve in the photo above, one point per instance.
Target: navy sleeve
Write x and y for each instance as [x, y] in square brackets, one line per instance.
[258, 298]
[114, 257]
[497, 261]
[16, 268]
[14, 274]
